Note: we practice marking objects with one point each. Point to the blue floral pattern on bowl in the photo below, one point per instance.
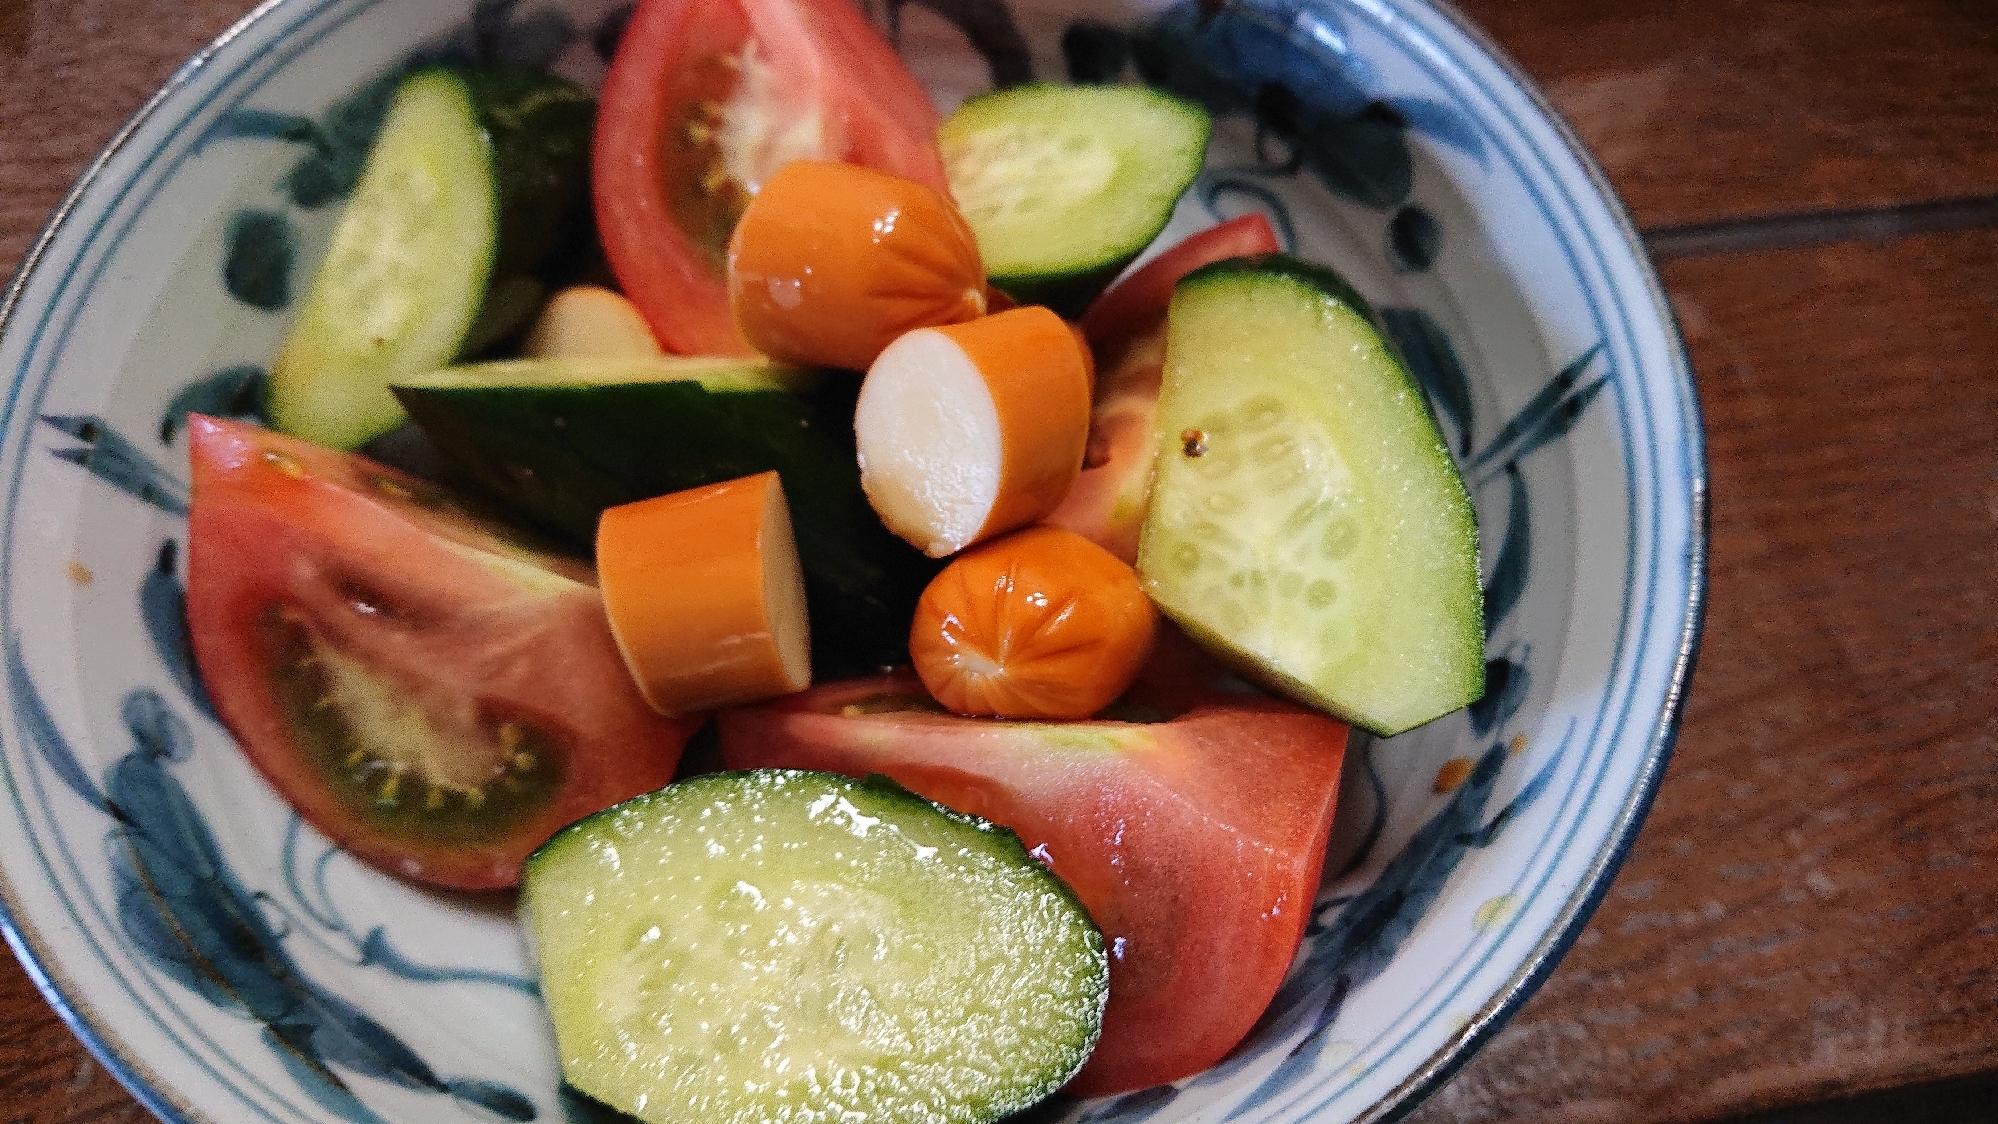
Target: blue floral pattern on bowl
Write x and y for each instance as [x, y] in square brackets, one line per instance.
[229, 964]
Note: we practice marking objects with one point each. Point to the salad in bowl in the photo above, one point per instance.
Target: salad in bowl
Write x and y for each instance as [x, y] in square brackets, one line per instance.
[760, 560]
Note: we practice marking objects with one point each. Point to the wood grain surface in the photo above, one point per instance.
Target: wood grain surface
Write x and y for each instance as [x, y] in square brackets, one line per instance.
[1811, 908]
[1811, 912]
[71, 72]
[1705, 110]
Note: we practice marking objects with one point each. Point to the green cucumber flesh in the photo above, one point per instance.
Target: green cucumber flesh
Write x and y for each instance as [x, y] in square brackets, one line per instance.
[783, 945]
[558, 441]
[1065, 185]
[467, 190]
[1306, 519]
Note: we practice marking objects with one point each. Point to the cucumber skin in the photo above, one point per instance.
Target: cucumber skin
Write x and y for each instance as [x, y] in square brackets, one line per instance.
[1068, 290]
[536, 132]
[1323, 283]
[560, 455]
[539, 128]
[1004, 841]
[1067, 294]
[1314, 276]
[1004, 838]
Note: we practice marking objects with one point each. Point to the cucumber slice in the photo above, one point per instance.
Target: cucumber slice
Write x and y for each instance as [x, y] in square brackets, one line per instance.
[1306, 518]
[1064, 185]
[474, 182]
[560, 440]
[784, 945]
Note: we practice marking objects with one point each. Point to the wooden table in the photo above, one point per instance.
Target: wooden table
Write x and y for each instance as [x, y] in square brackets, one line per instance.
[1807, 929]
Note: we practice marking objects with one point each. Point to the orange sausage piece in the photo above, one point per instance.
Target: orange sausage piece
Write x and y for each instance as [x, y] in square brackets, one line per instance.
[1041, 623]
[705, 596]
[974, 429]
[589, 321]
[831, 262]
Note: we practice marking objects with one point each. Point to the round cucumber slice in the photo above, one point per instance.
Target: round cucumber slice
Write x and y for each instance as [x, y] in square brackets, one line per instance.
[777, 944]
[1306, 519]
[1064, 185]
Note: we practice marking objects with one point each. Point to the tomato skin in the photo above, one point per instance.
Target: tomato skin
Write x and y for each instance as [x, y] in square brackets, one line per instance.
[1041, 623]
[652, 176]
[1136, 305]
[1195, 843]
[372, 569]
[1108, 500]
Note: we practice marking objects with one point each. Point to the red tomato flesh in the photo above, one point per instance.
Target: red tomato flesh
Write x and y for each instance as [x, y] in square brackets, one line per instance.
[1108, 501]
[432, 693]
[704, 100]
[1195, 843]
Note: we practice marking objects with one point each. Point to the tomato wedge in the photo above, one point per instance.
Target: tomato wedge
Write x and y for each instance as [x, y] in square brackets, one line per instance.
[1196, 843]
[705, 99]
[435, 695]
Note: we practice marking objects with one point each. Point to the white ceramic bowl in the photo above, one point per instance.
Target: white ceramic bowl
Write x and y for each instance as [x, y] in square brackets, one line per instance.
[228, 966]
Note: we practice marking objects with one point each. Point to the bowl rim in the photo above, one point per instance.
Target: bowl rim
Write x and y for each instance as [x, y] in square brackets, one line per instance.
[44, 970]
[1442, 1064]
[1446, 1060]
[1588, 894]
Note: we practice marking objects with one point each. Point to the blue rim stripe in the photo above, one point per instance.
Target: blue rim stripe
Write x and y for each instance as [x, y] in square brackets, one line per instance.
[247, 80]
[1392, 26]
[1589, 892]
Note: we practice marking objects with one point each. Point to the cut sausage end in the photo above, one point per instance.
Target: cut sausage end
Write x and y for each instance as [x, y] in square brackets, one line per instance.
[970, 430]
[929, 440]
[784, 595]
